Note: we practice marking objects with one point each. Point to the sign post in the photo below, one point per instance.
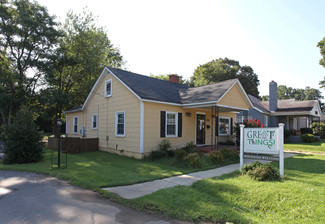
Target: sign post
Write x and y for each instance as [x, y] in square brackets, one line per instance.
[262, 143]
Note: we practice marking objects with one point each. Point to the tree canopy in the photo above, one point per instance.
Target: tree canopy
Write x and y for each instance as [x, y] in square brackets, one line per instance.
[83, 51]
[321, 45]
[27, 38]
[298, 94]
[222, 69]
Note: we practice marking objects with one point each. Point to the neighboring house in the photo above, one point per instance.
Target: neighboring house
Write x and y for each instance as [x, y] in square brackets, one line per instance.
[131, 114]
[294, 114]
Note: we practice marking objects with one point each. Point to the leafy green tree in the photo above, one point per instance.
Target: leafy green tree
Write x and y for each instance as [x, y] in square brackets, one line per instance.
[299, 94]
[223, 69]
[27, 38]
[83, 52]
[22, 140]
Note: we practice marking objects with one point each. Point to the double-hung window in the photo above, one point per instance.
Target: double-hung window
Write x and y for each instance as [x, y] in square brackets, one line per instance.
[120, 124]
[108, 88]
[94, 121]
[171, 124]
[224, 126]
[75, 125]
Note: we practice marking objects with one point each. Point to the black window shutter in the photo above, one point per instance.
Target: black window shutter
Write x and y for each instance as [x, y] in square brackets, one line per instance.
[180, 123]
[231, 127]
[217, 126]
[162, 124]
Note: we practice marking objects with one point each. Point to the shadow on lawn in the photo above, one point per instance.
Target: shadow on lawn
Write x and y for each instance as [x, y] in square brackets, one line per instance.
[304, 164]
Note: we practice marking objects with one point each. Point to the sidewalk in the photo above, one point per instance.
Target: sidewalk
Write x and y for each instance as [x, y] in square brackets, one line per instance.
[138, 190]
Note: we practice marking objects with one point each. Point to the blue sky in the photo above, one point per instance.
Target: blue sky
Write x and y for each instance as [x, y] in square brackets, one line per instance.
[276, 38]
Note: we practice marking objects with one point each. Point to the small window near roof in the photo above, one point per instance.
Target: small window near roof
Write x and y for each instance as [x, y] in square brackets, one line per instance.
[108, 88]
[94, 121]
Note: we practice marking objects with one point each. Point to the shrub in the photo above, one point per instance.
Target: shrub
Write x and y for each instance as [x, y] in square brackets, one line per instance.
[318, 129]
[306, 131]
[307, 138]
[229, 154]
[165, 145]
[264, 173]
[190, 147]
[157, 154]
[249, 123]
[179, 154]
[23, 143]
[261, 172]
[193, 160]
[250, 167]
[216, 157]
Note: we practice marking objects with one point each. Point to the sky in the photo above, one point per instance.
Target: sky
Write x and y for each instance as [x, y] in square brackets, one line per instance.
[277, 38]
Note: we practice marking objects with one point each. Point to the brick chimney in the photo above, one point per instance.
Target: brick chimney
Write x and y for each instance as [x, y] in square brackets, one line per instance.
[174, 78]
[273, 97]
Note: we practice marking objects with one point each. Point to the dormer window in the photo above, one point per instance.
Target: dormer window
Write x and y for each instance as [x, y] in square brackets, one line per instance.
[108, 88]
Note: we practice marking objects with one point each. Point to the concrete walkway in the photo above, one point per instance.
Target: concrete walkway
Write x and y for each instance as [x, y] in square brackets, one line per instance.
[138, 190]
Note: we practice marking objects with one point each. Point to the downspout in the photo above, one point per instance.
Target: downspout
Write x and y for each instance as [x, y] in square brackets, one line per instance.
[141, 126]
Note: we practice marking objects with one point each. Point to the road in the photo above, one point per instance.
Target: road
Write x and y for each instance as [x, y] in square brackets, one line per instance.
[34, 198]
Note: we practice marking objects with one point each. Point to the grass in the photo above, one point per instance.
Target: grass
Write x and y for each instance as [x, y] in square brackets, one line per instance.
[94, 170]
[299, 198]
[316, 147]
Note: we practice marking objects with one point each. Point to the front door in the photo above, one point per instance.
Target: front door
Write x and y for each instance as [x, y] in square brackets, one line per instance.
[200, 129]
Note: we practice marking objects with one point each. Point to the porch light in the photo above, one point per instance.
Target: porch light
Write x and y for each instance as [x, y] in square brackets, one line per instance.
[188, 114]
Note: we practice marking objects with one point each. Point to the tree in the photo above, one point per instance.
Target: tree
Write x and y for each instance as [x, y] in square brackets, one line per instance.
[27, 38]
[22, 140]
[83, 52]
[308, 93]
[223, 69]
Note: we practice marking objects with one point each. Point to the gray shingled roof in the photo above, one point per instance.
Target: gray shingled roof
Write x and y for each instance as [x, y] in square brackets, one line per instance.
[206, 93]
[160, 90]
[150, 88]
[259, 104]
[289, 105]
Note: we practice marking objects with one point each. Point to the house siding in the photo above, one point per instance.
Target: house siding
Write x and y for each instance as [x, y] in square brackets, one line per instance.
[234, 98]
[122, 99]
[152, 124]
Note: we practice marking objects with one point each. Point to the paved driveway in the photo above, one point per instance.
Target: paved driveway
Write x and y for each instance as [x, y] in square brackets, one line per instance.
[33, 198]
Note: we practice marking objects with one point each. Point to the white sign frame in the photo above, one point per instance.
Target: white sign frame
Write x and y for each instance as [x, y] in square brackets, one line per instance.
[267, 141]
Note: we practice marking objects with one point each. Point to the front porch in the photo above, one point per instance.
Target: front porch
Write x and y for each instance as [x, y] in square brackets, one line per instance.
[210, 148]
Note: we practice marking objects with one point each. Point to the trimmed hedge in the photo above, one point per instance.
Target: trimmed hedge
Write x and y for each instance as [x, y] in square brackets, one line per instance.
[309, 138]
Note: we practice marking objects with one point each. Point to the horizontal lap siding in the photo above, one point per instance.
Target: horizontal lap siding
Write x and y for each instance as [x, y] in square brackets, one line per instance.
[121, 100]
[234, 98]
[69, 121]
[152, 126]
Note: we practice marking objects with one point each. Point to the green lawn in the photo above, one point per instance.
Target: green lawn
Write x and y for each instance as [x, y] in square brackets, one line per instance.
[94, 170]
[299, 198]
[317, 147]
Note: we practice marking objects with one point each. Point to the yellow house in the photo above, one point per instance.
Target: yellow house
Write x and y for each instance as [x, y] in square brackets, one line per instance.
[131, 113]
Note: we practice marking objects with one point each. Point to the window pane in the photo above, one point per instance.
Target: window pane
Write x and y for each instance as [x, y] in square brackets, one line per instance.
[171, 124]
[120, 124]
[94, 121]
[108, 88]
[224, 126]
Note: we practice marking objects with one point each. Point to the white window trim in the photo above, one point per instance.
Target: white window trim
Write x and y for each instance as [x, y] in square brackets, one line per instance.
[108, 81]
[176, 126]
[92, 121]
[74, 123]
[229, 120]
[116, 122]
